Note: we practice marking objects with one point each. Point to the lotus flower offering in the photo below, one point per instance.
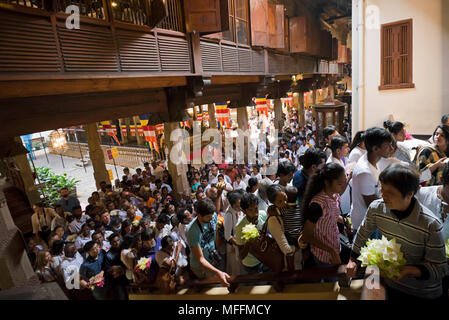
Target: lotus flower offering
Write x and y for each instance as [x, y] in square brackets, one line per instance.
[96, 281]
[384, 254]
[249, 232]
[143, 264]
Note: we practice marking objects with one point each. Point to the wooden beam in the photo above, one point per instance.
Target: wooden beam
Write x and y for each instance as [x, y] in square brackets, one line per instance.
[57, 86]
[37, 114]
[232, 79]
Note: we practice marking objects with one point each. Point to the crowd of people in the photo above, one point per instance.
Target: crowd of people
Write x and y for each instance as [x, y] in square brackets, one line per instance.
[326, 200]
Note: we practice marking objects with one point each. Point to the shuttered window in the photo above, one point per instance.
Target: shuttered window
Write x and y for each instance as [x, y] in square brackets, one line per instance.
[397, 55]
[238, 22]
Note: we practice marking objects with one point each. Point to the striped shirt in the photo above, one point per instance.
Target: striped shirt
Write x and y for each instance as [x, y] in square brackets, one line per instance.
[326, 229]
[421, 239]
[293, 220]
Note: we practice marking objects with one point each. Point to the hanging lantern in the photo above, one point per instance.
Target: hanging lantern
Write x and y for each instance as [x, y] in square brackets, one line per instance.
[58, 140]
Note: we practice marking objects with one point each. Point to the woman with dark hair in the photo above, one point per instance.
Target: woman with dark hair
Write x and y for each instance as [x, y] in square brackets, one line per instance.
[397, 130]
[432, 158]
[276, 227]
[43, 267]
[253, 184]
[357, 148]
[321, 208]
[128, 255]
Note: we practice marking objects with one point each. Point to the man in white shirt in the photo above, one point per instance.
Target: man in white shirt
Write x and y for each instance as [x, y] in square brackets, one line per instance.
[365, 177]
[71, 263]
[303, 146]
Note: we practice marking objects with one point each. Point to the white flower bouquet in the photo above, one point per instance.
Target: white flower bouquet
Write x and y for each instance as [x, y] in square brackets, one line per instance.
[384, 254]
[143, 264]
[249, 232]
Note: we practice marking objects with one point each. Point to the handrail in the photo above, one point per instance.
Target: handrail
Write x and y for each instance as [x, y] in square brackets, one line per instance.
[278, 280]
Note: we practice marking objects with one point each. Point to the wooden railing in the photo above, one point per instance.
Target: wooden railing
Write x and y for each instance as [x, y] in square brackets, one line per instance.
[278, 280]
[26, 3]
[88, 8]
[130, 11]
[175, 19]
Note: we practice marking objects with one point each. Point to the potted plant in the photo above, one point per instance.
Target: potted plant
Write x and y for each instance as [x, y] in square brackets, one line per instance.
[51, 184]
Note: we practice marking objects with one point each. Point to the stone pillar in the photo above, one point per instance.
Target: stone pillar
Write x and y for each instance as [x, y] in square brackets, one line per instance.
[140, 140]
[15, 267]
[278, 119]
[96, 154]
[212, 120]
[124, 138]
[22, 163]
[178, 172]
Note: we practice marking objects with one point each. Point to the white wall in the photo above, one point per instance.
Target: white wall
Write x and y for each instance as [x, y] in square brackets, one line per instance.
[422, 107]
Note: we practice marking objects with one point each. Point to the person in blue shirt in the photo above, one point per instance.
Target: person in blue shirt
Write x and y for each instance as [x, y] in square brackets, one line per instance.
[91, 267]
[68, 202]
[201, 233]
[150, 245]
[312, 161]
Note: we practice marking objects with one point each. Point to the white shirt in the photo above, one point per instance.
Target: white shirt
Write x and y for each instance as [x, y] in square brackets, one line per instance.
[76, 262]
[302, 149]
[356, 154]
[239, 186]
[365, 182]
[81, 241]
[164, 232]
[245, 179]
[311, 142]
[258, 177]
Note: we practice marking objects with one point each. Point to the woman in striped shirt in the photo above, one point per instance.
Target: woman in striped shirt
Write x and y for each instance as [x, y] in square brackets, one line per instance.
[321, 208]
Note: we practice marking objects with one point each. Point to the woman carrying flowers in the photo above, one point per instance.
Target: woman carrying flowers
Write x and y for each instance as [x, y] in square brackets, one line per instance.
[247, 229]
[418, 232]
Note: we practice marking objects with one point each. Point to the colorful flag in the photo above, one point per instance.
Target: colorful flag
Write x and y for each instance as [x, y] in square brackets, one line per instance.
[261, 106]
[124, 130]
[160, 129]
[132, 130]
[222, 114]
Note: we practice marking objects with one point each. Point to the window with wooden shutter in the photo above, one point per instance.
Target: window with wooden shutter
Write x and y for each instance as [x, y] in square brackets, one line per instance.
[276, 26]
[397, 55]
[259, 23]
[238, 22]
[206, 16]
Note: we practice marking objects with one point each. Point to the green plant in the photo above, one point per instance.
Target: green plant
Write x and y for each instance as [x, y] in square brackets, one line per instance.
[53, 183]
